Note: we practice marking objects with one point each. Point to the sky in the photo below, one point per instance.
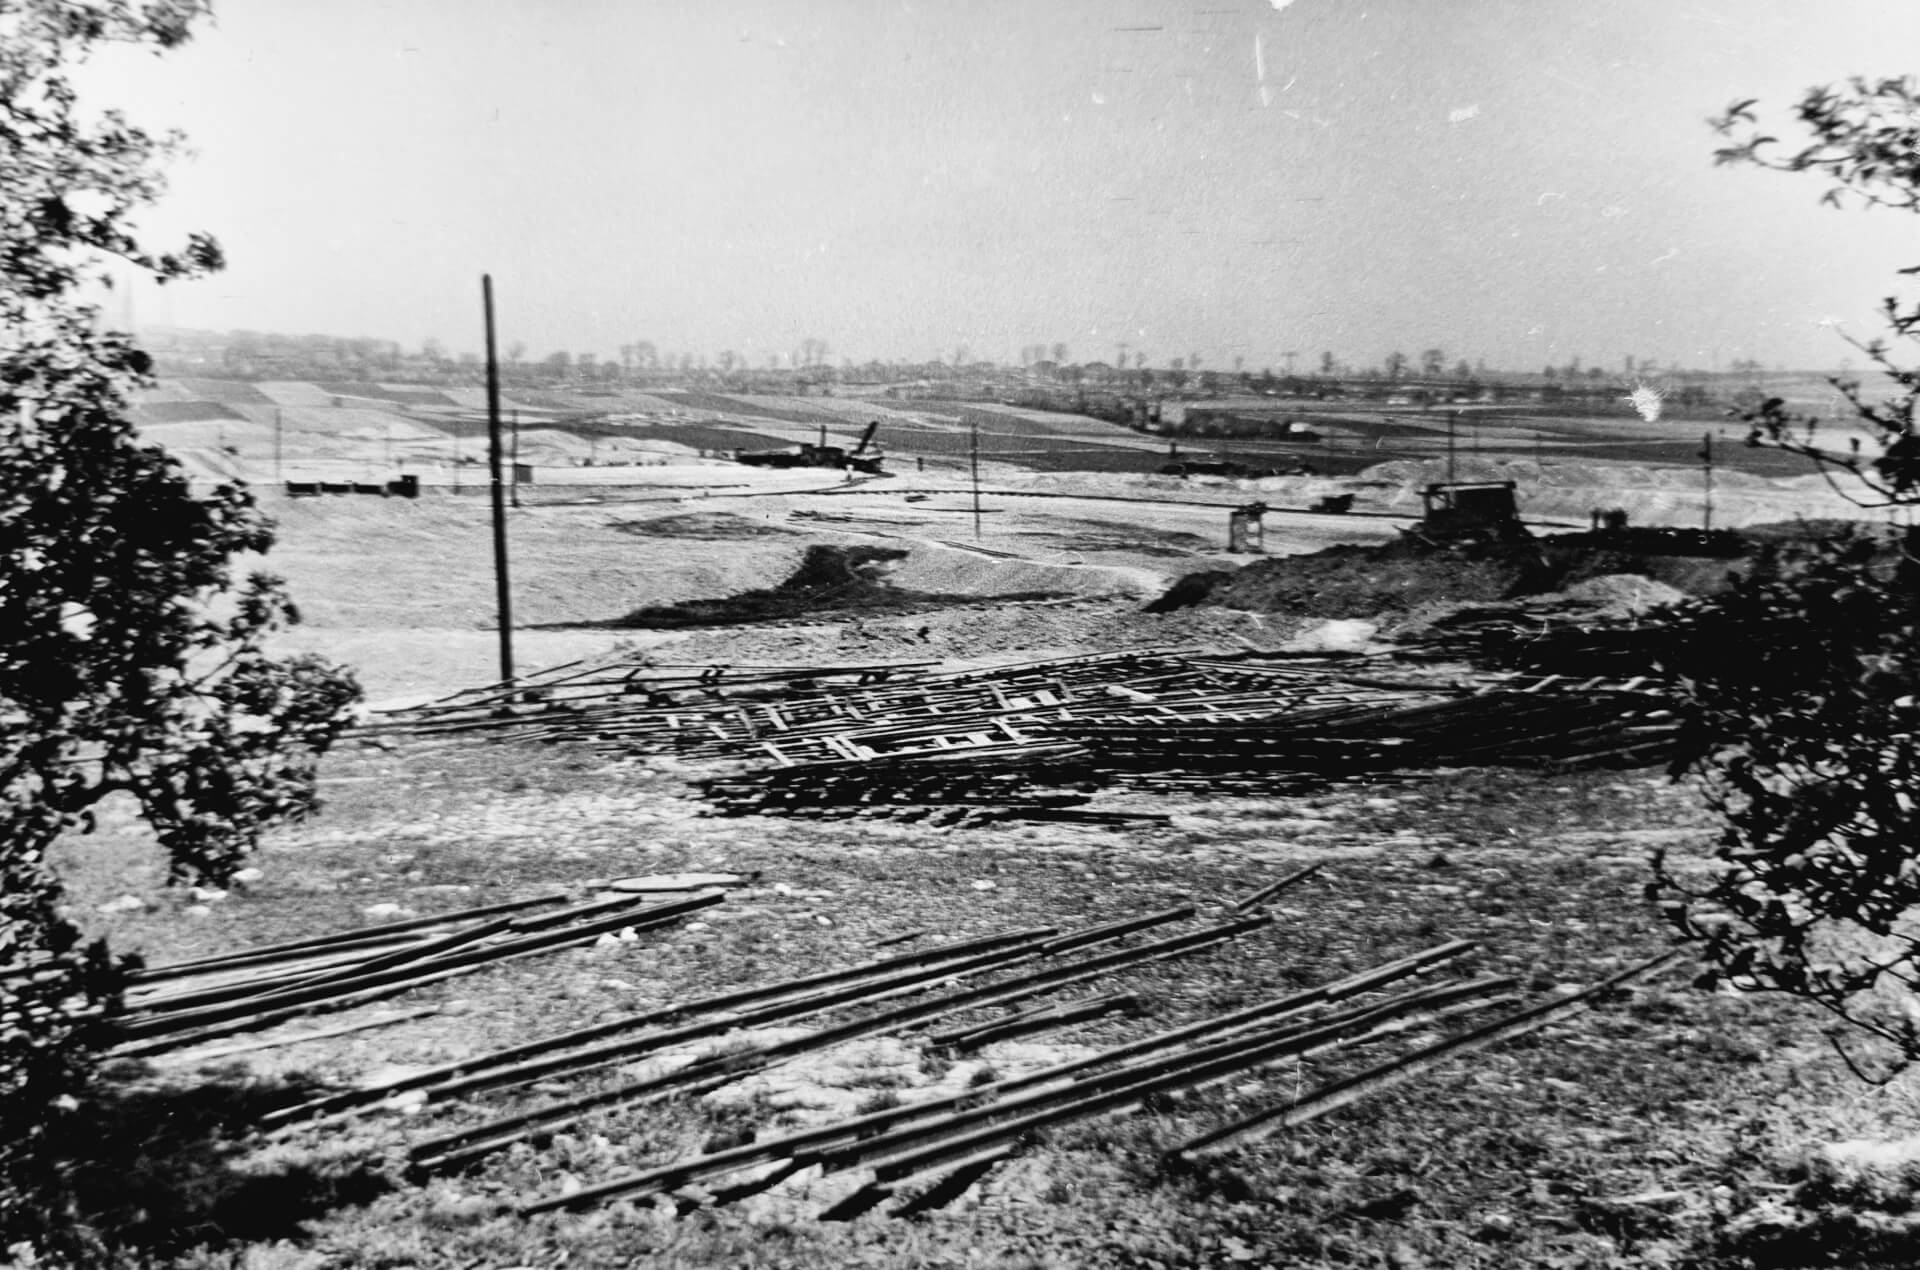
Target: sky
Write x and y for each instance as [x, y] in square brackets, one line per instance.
[1520, 182]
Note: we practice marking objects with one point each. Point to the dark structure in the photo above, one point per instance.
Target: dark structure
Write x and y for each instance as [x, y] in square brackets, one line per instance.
[820, 455]
[1461, 509]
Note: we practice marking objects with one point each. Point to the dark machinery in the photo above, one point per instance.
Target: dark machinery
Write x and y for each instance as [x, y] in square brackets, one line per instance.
[1469, 509]
[820, 455]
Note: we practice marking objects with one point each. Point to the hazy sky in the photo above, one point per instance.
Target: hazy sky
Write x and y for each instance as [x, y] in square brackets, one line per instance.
[1522, 181]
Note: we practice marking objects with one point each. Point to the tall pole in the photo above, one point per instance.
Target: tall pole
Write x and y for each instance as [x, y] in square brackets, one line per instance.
[501, 586]
[1453, 419]
[516, 457]
[1706, 458]
[279, 447]
[973, 453]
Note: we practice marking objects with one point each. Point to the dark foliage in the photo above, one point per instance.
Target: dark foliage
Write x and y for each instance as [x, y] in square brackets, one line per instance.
[131, 661]
[1803, 726]
[1801, 689]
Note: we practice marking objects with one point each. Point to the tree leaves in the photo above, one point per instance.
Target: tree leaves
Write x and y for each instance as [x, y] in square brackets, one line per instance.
[129, 659]
[1796, 687]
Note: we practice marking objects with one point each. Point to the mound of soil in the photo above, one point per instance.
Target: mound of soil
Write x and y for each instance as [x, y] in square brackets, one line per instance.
[830, 579]
[1367, 581]
[1412, 573]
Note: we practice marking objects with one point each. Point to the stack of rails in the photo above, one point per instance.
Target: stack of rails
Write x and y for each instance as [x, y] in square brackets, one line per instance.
[936, 1148]
[959, 986]
[1034, 740]
[184, 1004]
[1519, 638]
[891, 996]
[613, 684]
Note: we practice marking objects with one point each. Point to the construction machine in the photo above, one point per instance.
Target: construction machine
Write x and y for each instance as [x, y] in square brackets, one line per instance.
[1470, 509]
[810, 454]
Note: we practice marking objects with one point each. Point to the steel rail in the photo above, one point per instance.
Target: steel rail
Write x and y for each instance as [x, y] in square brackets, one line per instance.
[465, 1146]
[251, 989]
[286, 971]
[1272, 1011]
[593, 1057]
[1340, 1093]
[384, 930]
[1187, 1070]
[1037, 1019]
[370, 1094]
[303, 994]
[954, 1173]
[1272, 889]
[898, 1124]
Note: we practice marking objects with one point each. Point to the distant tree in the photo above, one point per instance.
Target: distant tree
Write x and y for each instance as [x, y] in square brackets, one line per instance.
[1432, 361]
[1804, 702]
[1461, 370]
[645, 355]
[131, 661]
[1328, 365]
[433, 350]
[727, 360]
[516, 353]
[1396, 364]
[1059, 354]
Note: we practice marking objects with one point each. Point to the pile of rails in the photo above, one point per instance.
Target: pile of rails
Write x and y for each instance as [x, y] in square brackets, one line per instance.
[1519, 637]
[1034, 740]
[953, 997]
[889, 996]
[190, 1003]
[929, 1152]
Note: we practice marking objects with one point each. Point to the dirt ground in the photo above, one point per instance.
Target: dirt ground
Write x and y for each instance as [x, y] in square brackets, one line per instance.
[403, 589]
[1662, 1128]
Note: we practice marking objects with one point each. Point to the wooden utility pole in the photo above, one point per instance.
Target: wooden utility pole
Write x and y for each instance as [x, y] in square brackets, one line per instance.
[1706, 459]
[516, 457]
[973, 454]
[503, 590]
